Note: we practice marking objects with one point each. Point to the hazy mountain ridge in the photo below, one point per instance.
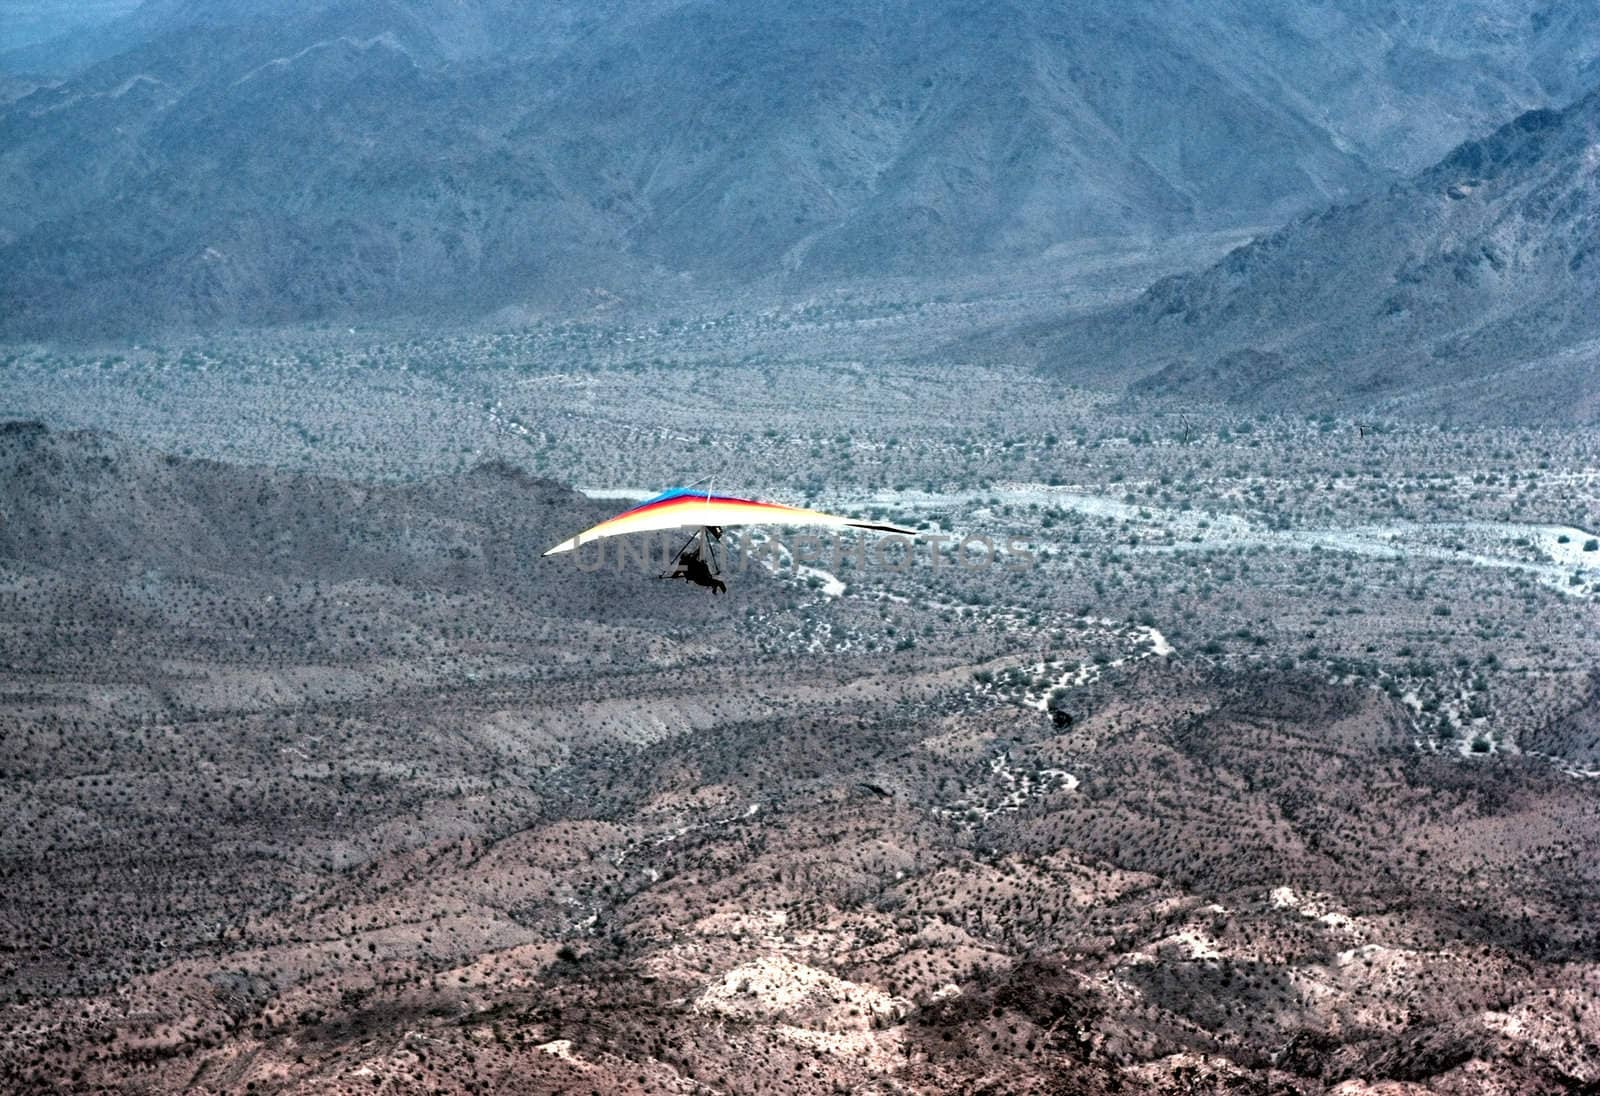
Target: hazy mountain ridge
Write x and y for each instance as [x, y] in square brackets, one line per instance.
[233, 164]
[1471, 288]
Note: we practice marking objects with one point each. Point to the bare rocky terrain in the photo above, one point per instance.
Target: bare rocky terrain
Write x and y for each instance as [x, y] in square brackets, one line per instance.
[1278, 772]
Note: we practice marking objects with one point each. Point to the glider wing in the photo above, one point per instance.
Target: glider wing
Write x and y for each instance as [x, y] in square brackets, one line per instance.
[682, 508]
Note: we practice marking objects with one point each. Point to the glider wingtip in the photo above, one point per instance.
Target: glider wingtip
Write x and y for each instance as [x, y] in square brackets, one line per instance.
[882, 527]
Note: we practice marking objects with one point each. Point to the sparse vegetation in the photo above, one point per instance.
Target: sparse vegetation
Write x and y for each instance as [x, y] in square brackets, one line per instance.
[356, 769]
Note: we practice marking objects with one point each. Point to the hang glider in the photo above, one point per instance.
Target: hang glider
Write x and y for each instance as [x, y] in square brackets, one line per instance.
[684, 508]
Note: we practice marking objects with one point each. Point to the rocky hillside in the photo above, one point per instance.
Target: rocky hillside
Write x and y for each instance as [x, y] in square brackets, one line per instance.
[98, 514]
[309, 785]
[1472, 289]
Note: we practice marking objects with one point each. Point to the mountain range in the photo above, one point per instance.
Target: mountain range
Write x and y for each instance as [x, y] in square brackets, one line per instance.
[219, 163]
[1471, 289]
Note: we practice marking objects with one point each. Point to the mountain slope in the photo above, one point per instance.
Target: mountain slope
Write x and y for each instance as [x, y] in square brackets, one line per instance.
[1472, 288]
[238, 163]
[114, 516]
